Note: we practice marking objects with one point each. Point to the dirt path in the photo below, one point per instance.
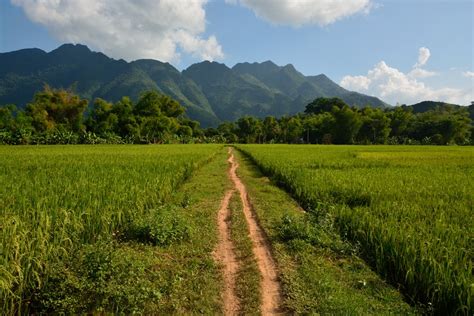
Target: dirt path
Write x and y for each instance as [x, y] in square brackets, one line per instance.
[225, 251]
[269, 285]
[225, 254]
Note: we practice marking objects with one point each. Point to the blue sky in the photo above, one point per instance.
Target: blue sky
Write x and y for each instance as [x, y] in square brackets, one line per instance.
[370, 46]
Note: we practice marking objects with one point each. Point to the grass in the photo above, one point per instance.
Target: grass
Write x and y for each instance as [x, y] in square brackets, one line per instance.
[103, 228]
[248, 275]
[408, 209]
[131, 229]
[320, 273]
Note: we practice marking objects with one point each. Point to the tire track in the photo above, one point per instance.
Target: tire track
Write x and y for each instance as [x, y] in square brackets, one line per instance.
[225, 254]
[270, 289]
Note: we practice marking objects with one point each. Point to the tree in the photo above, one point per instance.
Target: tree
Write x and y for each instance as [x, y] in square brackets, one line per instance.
[346, 125]
[228, 130]
[52, 108]
[101, 118]
[7, 119]
[271, 129]
[152, 103]
[170, 107]
[292, 129]
[149, 105]
[321, 105]
[194, 125]
[249, 129]
[401, 118]
[127, 125]
[375, 127]
[155, 129]
[316, 126]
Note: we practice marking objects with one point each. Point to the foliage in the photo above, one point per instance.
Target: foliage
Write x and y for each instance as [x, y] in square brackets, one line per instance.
[56, 116]
[320, 272]
[160, 228]
[55, 109]
[99, 277]
[52, 209]
[406, 207]
[327, 121]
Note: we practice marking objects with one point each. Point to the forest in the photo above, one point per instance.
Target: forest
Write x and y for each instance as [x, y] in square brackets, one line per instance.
[58, 116]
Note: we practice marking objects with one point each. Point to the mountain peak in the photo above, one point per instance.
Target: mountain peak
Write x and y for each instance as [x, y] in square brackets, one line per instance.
[257, 69]
[72, 48]
[269, 63]
[151, 63]
[207, 65]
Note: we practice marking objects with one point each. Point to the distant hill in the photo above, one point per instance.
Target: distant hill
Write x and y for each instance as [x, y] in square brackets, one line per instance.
[432, 105]
[425, 106]
[210, 91]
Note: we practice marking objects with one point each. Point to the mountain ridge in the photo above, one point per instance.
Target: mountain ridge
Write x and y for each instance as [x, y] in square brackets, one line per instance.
[211, 92]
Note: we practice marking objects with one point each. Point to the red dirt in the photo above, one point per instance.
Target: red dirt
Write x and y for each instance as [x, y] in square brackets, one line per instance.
[225, 254]
[269, 284]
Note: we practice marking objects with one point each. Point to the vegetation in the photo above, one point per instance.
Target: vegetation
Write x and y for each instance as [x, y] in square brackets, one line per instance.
[319, 271]
[131, 229]
[210, 92]
[408, 209]
[91, 228]
[59, 117]
[332, 121]
[248, 277]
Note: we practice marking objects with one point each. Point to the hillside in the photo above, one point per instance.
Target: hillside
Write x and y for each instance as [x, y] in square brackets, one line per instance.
[432, 105]
[211, 92]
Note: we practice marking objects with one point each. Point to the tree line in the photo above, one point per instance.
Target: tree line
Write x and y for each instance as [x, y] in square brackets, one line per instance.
[332, 121]
[58, 116]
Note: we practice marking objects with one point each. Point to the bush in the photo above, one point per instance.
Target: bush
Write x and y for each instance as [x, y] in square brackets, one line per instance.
[99, 277]
[162, 227]
[6, 138]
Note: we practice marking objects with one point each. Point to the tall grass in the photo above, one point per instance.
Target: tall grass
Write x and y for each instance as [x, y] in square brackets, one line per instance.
[55, 199]
[410, 209]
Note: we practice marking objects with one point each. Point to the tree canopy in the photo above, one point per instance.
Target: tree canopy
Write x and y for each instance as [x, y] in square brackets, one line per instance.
[332, 121]
[57, 116]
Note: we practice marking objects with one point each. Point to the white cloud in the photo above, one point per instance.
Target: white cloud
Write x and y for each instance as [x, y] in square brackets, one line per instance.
[392, 85]
[421, 73]
[356, 82]
[423, 56]
[301, 12]
[468, 74]
[158, 29]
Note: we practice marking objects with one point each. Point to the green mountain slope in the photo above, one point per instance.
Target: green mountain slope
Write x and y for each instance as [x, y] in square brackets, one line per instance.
[93, 75]
[232, 96]
[303, 89]
[425, 106]
[210, 92]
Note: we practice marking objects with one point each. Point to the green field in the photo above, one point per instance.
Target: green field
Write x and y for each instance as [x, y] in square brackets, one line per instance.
[410, 209]
[132, 229]
[55, 201]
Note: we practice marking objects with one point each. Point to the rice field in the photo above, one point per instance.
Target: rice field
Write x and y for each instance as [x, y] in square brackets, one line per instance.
[56, 199]
[408, 209]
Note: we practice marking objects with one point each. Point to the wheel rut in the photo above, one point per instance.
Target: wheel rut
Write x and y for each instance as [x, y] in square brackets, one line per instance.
[225, 254]
[270, 289]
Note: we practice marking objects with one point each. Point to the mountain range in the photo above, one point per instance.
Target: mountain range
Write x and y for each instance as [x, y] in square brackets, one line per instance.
[211, 92]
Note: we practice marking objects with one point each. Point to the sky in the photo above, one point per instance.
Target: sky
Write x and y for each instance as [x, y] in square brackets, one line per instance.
[402, 51]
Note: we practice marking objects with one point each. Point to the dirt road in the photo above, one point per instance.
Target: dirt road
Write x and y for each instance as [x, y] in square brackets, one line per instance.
[270, 289]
